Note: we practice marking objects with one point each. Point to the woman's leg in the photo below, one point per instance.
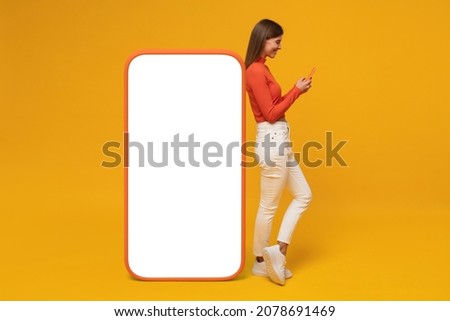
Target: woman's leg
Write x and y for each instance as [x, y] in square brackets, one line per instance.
[273, 180]
[275, 256]
[301, 191]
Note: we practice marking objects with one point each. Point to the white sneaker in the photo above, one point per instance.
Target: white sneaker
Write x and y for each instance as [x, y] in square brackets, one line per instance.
[275, 264]
[259, 269]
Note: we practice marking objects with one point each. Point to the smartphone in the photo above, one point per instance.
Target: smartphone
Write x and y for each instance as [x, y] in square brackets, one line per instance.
[311, 73]
[184, 211]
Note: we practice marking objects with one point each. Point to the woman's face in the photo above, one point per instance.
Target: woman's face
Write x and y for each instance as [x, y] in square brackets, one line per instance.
[271, 47]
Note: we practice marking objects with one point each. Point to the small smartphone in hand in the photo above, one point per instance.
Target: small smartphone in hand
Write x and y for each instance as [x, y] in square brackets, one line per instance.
[311, 73]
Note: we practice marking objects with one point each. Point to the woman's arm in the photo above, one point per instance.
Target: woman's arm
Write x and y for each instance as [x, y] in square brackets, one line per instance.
[270, 109]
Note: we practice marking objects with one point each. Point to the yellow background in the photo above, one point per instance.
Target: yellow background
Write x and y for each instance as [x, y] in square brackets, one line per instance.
[376, 230]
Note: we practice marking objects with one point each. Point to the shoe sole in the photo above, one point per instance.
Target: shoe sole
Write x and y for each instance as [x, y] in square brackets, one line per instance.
[271, 271]
[262, 274]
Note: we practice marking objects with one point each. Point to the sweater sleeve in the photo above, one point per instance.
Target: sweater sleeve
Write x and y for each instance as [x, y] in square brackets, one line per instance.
[271, 109]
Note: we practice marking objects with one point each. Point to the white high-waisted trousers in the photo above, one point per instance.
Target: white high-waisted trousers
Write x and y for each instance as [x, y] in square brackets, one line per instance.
[278, 169]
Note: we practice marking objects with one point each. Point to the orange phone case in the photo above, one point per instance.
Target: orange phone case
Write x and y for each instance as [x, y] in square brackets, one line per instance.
[311, 73]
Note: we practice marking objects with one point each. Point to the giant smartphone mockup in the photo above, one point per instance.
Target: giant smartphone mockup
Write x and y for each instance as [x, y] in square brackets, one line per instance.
[184, 183]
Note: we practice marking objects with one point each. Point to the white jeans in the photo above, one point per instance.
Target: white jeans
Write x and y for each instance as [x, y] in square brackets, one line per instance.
[278, 169]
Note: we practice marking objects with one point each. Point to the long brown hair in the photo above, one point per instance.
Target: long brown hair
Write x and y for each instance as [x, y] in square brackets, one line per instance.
[263, 30]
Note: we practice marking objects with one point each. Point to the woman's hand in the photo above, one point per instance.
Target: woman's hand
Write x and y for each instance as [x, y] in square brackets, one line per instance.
[304, 84]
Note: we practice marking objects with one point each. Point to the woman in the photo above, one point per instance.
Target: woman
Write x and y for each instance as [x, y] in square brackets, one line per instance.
[276, 159]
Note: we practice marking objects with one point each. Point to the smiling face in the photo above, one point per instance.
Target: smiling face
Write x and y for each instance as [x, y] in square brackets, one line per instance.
[271, 47]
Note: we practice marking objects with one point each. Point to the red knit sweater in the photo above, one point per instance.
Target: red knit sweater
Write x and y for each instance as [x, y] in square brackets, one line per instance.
[265, 93]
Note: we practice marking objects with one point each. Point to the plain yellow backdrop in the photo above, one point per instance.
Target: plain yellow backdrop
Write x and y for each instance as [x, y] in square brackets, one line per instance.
[376, 230]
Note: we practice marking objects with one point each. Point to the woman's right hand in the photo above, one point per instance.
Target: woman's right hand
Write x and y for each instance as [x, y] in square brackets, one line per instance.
[304, 84]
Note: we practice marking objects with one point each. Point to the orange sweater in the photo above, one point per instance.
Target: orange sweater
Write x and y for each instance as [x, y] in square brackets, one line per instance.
[265, 93]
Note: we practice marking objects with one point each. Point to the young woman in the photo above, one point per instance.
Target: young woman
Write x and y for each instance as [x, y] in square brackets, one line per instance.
[278, 166]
